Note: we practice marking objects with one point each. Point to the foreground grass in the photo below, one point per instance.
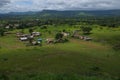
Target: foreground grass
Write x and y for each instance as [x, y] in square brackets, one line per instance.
[51, 76]
[75, 57]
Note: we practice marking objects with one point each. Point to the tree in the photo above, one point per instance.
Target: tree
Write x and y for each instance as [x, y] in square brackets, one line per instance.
[64, 30]
[2, 31]
[30, 31]
[59, 36]
[86, 29]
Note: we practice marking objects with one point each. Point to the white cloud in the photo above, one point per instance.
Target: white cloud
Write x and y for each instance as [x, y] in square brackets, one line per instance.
[36, 5]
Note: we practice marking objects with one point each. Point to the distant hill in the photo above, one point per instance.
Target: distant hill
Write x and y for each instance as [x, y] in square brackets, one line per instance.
[84, 12]
[68, 13]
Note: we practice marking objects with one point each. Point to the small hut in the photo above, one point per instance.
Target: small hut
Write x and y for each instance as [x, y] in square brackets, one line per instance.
[50, 40]
[36, 33]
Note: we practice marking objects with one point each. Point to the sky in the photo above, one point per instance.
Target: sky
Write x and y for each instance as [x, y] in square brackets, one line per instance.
[38, 5]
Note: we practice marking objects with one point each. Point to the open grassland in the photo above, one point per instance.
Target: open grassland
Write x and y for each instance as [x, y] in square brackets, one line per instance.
[74, 60]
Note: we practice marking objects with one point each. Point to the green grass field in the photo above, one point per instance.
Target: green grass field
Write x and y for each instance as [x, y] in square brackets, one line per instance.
[74, 60]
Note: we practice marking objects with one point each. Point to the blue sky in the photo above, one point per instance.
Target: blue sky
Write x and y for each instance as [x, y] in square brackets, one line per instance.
[38, 5]
[24, 2]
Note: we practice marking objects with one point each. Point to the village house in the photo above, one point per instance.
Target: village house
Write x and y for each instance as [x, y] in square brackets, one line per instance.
[36, 33]
[23, 38]
[16, 26]
[87, 38]
[7, 27]
[65, 34]
[50, 40]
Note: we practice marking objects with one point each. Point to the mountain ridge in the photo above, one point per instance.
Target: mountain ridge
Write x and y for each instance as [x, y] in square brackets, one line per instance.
[66, 13]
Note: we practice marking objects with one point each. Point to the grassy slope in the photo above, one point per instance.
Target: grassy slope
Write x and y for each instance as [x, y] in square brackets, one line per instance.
[75, 57]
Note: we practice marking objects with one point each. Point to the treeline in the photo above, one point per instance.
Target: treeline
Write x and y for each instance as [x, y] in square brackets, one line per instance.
[30, 22]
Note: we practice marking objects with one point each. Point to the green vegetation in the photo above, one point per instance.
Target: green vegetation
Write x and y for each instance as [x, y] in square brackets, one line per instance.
[86, 29]
[70, 58]
[58, 36]
[2, 32]
[51, 76]
[74, 60]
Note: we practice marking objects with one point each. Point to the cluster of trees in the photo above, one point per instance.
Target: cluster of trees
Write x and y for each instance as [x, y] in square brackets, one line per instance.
[86, 29]
[25, 23]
